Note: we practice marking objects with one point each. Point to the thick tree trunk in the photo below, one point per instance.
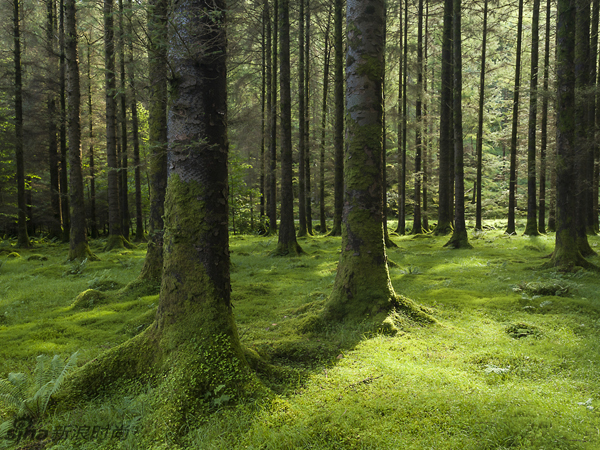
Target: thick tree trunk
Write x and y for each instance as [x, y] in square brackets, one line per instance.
[157, 59]
[594, 116]
[531, 228]
[78, 245]
[338, 136]
[287, 244]
[567, 254]
[459, 237]
[23, 238]
[444, 224]
[512, 187]
[478, 212]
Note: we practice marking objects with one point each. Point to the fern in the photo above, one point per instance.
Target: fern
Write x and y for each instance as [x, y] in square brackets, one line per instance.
[29, 398]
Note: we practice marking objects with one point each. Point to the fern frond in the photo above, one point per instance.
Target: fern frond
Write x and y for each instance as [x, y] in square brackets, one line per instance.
[41, 373]
[12, 390]
[5, 427]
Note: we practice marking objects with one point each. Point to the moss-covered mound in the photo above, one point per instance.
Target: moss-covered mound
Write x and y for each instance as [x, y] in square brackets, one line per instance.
[89, 299]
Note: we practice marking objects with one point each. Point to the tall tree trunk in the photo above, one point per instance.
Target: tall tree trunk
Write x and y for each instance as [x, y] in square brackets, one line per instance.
[64, 180]
[401, 228]
[417, 223]
[93, 223]
[273, 128]
[115, 233]
[512, 187]
[362, 285]
[531, 228]
[263, 99]
[478, 218]
[78, 245]
[139, 219]
[307, 146]
[459, 237]
[327, 53]
[23, 238]
[55, 226]
[287, 244]
[302, 231]
[444, 224]
[157, 124]
[122, 117]
[338, 136]
[584, 148]
[425, 126]
[544, 133]
[594, 115]
[567, 254]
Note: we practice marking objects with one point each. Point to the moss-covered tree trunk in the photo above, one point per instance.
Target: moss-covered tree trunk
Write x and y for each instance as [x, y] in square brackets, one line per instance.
[531, 228]
[157, 59]
[78, 245]
[287, 244]
[338, 136]
[459, 238]
[362, 286]
[444, 224]
[544, 125]
[512, 184]
[567, 254]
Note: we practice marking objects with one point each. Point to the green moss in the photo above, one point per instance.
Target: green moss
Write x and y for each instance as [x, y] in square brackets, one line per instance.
[89, 299]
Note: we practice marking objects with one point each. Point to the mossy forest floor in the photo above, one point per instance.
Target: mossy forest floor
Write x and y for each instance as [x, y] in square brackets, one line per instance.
[514, 362]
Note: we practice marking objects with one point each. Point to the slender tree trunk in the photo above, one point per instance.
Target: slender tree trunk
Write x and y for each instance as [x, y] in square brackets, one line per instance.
[338, 137]
[307, 146]
[55, 227]
[512, 187]
[531, 228]
[114, 217]
[122, 116]
[273, 128]
[268, 113]
[401, 228]
[544, 133]
[417, 223]
[287, 244]
[478, 218]
[78, 245]
[444, 209]
[23, 238]
[459, 237]
[327, 53]
[301, 125]
[64, 180]
[157, 124]
[594, 115]
[425, 126]
[263, 97]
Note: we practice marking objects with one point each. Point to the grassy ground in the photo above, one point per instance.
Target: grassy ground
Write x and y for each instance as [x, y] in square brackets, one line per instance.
[513, 363]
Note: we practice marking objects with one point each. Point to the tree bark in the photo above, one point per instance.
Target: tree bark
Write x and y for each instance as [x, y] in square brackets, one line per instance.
[444, 224]
[93, 220]
[401, 228]
[122, 118]
[338, 137]
[273, 128]
[302, 230]
[307, 146]
[23, 237]
[64, 180]
[459, 238]
[327, 53]
[512, 188]
[478, 212]
[544, 125]
[417, 223]
[157, 122]
[531, 228]
[287, 244]
[78, 245]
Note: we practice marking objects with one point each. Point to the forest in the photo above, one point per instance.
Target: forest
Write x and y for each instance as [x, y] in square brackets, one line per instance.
[360, 224]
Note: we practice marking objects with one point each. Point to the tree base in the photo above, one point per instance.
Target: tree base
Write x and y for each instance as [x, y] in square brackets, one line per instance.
[82, 251]
[458, 240]
[389, 243]
[336, 230]
[443, 229]
[117, 241]
[288, 249]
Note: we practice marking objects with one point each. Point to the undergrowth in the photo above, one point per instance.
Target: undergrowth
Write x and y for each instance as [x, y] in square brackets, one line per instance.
[513, 361]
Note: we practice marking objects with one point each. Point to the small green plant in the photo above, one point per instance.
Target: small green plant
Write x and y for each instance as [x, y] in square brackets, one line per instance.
[28, 397]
